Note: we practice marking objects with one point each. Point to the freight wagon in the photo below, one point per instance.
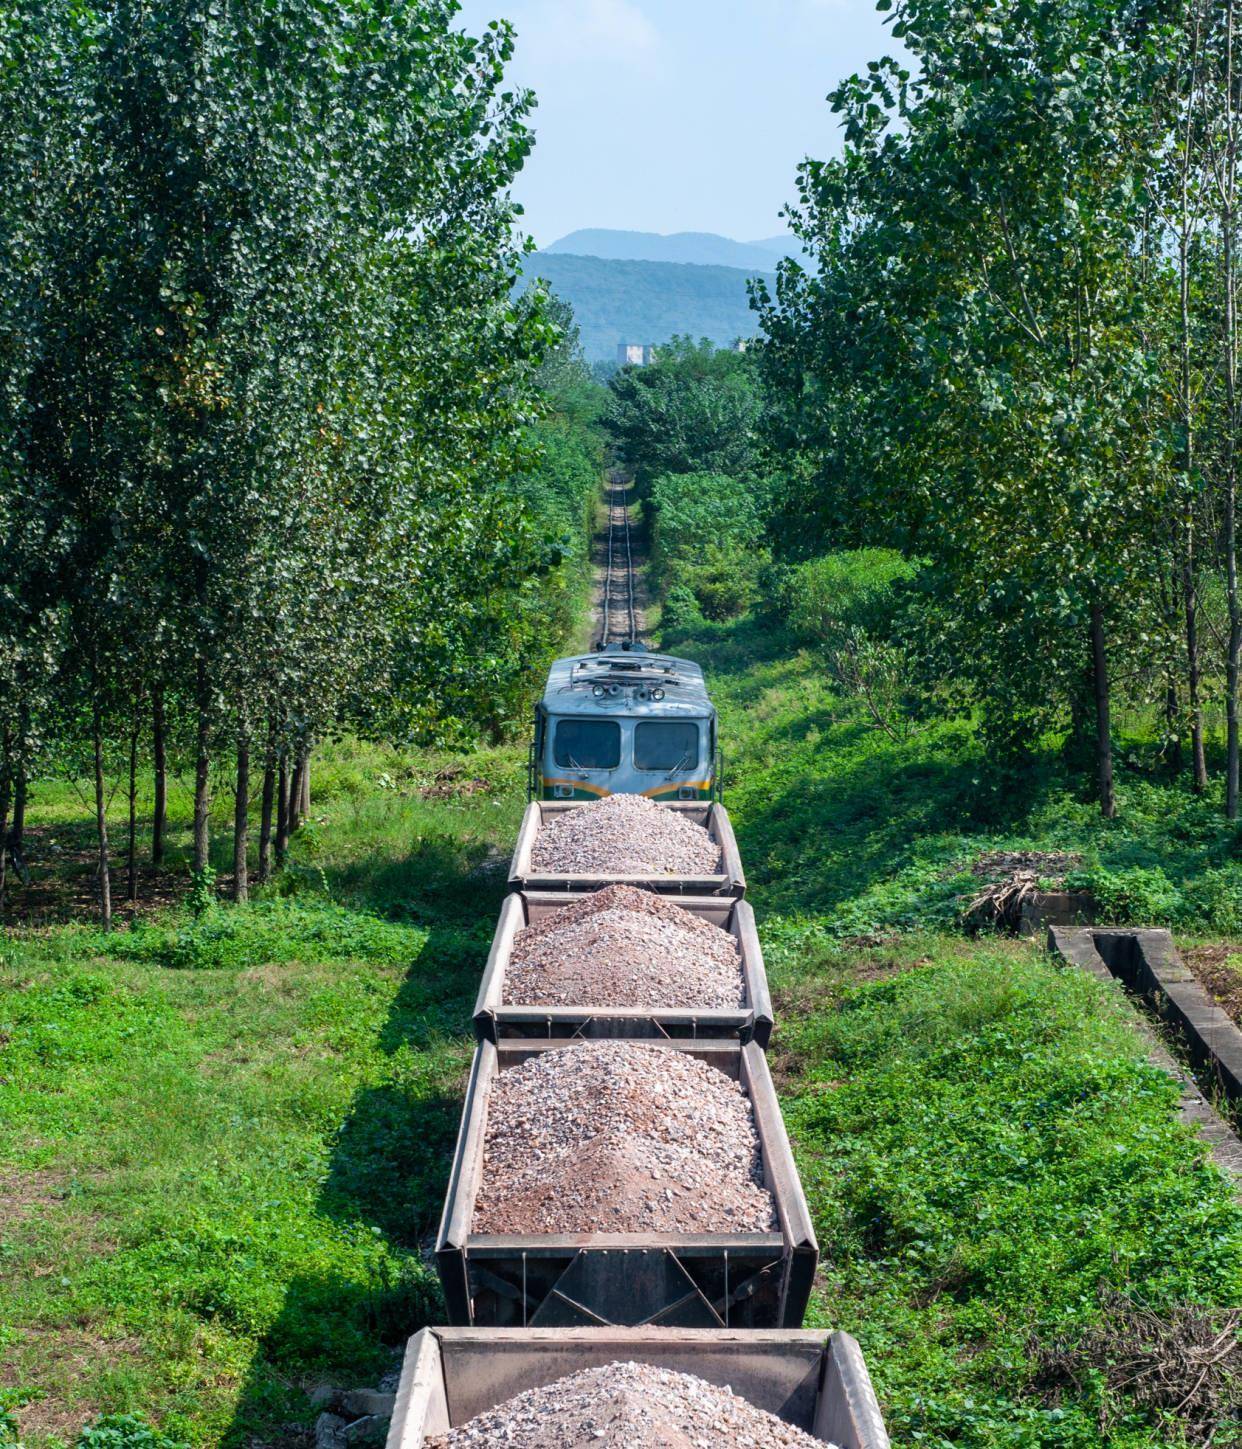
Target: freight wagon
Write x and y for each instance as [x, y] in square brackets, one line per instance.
[820, 1384]
[729, 880]
[497, 1020]
[683, 1280]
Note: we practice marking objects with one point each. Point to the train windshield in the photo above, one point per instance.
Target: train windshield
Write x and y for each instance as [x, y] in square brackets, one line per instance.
[587, 744]
[666, 744]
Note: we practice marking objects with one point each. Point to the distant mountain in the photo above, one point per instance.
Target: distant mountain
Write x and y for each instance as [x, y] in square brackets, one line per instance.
[646, 301]
[777, 247]
[702, 248]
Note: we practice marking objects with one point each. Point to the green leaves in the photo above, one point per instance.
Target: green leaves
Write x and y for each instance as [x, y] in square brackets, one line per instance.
[973, 375]
[262, 387]
[694, 411]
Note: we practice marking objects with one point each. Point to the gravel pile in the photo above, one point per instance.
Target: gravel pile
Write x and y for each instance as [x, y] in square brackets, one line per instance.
[624, 947]
[628, 1406]
[624, 835]
[620, 1137]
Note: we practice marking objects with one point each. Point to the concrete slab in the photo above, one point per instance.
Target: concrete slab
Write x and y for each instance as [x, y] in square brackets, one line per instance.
[1147, 961]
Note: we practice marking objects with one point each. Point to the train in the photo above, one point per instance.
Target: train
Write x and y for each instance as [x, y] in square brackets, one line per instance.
[621, 720]
[525, 1309]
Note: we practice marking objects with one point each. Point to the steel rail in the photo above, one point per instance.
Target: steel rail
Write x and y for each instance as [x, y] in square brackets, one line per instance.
[629, 632]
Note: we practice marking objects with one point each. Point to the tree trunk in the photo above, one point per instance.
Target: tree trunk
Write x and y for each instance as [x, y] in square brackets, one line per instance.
[241, 818]
[202, 779]
[1190, 601]
[1229, 221]
[159, 819]
[1103, 723]
[304, 803]
[131, 852]
[1233, 653]
[5, 787]
[1172, 723]
[1198, 756]
[101, 829]
[17, 829]
[265, 818]
[295, 791]
[282, 809]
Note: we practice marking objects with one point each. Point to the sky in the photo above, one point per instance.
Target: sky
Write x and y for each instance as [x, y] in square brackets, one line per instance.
[678, 115]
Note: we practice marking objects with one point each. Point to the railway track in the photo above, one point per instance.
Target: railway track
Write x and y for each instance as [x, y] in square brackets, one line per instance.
[618, 613]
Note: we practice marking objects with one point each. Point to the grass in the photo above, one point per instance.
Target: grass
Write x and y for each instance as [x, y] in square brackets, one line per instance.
[228, 1136]
[225, 1139]
[988, 1156]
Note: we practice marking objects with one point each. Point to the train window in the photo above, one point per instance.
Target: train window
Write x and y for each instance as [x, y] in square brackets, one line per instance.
[587, 744]
[666, 744]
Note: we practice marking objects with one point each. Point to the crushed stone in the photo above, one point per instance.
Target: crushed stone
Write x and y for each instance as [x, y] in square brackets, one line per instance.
[624, 835]
[624, 947]
[628, 1406]
[620, 1137]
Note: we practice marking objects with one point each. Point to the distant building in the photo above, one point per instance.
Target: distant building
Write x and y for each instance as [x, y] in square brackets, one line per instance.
[634, 354]
[742, 344]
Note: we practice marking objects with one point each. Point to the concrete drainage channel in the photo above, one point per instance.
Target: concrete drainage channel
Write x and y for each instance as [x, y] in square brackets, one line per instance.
[1147, 964]
[625, 1133]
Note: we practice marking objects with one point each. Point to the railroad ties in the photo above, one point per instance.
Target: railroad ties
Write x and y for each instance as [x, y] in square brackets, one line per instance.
[618, 613]
[623, 1189]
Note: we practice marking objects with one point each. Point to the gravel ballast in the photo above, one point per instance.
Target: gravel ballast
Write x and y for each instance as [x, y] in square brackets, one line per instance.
[623, 835]
[624, 947]
[620, 1137]
[628, 1406]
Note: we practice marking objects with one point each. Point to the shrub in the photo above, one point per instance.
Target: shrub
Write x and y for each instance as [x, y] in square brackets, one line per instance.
[722, 581]
[681, 608]
[707, 535]
[1137, 895]
[124, 1431]
[829, 599]
[847, 606]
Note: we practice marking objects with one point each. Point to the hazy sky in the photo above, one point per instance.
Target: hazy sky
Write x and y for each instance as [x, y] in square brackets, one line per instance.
[678, 115]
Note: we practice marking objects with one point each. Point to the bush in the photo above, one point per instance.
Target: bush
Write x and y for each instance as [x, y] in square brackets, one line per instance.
[124, 1431]
[829, 599]
[847, 605]
[681, 608]
[693, 511]
[707, 537]
[722, 581]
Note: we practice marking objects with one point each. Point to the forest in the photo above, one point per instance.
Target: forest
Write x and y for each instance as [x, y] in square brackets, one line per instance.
[279, 455]
[1017, 364]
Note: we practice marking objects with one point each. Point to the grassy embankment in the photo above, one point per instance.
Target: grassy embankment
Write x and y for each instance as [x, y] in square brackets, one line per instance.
[227, 1138]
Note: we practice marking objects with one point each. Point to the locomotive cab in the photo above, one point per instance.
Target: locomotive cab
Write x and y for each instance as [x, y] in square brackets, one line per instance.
[623, 721]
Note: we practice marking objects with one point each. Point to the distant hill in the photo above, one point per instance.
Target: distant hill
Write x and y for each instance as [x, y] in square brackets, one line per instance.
[643, 301]
[778, 247]
[702, 248]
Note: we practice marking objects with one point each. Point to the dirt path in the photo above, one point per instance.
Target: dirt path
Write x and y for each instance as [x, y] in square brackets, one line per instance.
[619, 599]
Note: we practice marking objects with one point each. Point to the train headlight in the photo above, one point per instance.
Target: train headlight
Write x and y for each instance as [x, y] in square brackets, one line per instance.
[657, 693]
[598, 691]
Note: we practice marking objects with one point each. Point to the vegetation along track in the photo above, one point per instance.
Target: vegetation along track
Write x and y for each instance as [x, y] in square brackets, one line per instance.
[619, 619]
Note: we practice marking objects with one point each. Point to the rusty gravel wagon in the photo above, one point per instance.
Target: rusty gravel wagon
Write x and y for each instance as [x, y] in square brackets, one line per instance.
[496, 1020]
[684, 1280]
[713, 817]
[818, 1383]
